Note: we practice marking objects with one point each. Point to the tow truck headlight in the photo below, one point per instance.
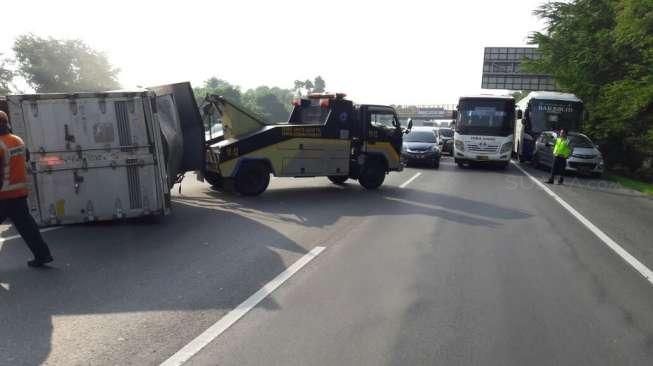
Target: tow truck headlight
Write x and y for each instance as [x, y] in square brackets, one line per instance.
[507, 147]
[460, 145]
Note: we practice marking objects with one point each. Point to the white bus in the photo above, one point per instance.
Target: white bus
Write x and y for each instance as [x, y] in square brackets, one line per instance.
[544, 111]
[484, 128]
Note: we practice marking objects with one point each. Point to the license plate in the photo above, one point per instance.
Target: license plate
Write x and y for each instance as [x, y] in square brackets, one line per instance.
[482, 157]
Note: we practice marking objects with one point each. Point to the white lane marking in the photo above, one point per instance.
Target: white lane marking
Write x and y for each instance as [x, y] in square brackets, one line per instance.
[214, 331]
[2, 240]
[636, 264]
[403, 185]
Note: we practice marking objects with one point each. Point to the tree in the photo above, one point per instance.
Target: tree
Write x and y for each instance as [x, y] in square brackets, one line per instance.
[602, 51]
[6, 76]
[267, 102]
[519, 95]
[308, 86]
[319, 86]
[220, 87]
[298, 87]
[52, 65]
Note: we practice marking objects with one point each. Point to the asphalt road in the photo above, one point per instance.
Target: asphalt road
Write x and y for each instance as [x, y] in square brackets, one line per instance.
[461, 266]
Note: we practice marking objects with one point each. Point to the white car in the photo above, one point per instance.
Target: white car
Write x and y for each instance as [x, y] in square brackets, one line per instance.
[585, 157]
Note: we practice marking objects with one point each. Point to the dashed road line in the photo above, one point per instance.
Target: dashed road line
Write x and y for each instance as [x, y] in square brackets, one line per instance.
[197, 344]
[406, 183]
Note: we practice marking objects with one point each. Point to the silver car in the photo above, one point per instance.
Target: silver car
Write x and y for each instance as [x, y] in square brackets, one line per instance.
[585, 158]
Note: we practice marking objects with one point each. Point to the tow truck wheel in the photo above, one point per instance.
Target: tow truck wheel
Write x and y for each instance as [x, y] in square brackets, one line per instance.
[338, 179]
[252, 179]
[214, 179]
[372, 175]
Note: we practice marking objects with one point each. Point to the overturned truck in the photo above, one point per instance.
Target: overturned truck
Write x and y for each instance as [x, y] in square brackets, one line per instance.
[326, 135]
[109, 155]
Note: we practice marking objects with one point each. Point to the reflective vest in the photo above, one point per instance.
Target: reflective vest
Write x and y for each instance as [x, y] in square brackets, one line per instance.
[14, 174]
[562, 148]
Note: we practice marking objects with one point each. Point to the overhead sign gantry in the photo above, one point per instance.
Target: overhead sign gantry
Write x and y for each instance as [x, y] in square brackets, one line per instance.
[502, 70]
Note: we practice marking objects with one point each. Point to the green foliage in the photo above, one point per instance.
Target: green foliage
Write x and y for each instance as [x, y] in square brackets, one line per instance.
[637, 185]
[519, 95]
[217, 86]
[273, 104]
[319, 86]
[602, 51]
[6, 76]
[306, 87]
[52, 65]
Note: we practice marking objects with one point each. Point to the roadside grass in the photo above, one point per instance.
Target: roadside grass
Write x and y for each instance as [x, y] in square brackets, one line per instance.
[644, 187]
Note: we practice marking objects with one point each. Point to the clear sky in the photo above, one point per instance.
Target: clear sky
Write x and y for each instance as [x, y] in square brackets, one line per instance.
[389, 52]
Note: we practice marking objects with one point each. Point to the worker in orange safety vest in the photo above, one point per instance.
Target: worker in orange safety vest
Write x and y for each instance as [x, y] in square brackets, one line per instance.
[13, 193]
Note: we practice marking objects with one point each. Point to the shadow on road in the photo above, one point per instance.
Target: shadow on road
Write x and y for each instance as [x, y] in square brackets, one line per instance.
[178, 265]
[322, 206]
[213, 252]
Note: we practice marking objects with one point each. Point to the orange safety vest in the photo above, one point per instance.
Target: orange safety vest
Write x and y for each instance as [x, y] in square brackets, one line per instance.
[14, 175]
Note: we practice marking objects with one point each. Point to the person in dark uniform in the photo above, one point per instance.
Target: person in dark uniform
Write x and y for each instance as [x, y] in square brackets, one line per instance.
[13, 193]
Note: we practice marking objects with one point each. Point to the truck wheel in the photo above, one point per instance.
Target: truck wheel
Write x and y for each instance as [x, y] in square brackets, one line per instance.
[372, 175]
[214, 179]
[338, 179]
[252, 179]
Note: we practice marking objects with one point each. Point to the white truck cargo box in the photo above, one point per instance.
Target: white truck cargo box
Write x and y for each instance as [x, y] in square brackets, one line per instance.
[93, 156]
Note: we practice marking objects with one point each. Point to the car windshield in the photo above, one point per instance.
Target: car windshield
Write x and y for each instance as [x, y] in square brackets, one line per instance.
[445, 132]
[580, 141]
[554, 115]
[420, 136]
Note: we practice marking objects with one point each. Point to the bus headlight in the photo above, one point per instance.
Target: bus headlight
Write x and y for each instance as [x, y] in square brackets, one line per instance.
[460, 145]
[507, 147]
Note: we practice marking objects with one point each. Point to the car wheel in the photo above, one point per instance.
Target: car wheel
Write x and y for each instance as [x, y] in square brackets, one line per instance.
[338, 179]
[252, 179]
[372, 175]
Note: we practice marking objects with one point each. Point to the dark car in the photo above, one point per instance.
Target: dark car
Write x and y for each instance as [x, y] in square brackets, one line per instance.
[445, 135]
[421, 145]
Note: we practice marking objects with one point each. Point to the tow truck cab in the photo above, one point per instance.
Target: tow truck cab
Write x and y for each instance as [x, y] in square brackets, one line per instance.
[326, 135]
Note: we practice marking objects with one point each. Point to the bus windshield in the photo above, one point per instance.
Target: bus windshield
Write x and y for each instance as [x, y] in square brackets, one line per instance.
[547, 115]
[486, 117]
